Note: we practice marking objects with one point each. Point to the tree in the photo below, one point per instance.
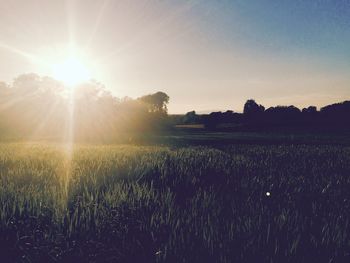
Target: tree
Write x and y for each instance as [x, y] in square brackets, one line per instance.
[252, 110]
[336, 114]
[310, 110]
[157, 102]
[282, 115]
[212, 120]
[191, 117]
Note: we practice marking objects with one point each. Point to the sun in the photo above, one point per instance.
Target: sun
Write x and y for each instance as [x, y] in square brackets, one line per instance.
[71, 71]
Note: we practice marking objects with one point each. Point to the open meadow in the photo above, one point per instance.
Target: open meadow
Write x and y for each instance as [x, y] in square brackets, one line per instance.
[128, 203]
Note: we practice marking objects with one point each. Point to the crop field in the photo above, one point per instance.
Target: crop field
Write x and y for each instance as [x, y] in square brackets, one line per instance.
[124, 203]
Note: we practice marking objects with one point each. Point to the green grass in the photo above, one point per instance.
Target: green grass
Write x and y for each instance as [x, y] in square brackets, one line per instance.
[160, 204]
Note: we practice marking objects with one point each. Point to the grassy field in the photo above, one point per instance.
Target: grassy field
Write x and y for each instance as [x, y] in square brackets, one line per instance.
[228, 203]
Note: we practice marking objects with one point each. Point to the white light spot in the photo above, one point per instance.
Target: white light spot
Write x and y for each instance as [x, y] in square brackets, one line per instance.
[268, 193]
[71, 71]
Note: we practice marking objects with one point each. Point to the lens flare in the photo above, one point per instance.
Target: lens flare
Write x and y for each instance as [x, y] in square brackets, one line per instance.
[71, 71]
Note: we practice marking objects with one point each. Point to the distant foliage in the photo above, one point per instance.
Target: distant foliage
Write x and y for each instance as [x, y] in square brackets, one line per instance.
[156, 103]
[41, 107]
[252, 109]
[255, 116]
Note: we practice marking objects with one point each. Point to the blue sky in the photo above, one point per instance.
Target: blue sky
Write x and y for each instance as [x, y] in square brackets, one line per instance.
[207, 55]
[288, 28]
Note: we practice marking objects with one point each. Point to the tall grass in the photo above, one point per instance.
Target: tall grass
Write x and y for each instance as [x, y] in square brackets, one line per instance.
[156, 204]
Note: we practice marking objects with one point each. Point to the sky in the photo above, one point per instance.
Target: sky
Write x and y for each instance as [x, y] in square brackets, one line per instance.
[206, 55]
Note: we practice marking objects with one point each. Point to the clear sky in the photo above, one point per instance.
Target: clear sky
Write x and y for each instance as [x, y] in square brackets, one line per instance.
[206, 55]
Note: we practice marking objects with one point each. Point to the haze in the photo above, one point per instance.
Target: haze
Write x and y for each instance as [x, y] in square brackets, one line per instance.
[206, 55]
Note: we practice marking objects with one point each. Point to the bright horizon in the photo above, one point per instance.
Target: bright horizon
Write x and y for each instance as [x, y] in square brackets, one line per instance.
[206, 55]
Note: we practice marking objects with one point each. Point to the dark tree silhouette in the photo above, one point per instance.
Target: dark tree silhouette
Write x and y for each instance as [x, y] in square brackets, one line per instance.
[310, 110]
[255, 117]
[336, 114]
[282, 115]
[337, 108]
[191, 118]
[212, 120]
[252, 109]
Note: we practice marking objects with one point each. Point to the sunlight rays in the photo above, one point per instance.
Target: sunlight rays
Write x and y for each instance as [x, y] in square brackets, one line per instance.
[69, 127]
[153, 29]
[71, 71]
[97, 23]
[44, 121]
[22, 53]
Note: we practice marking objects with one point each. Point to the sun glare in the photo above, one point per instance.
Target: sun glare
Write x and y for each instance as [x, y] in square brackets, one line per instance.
[71, 71]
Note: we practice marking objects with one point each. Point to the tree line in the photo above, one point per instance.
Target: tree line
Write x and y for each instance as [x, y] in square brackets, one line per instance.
[255, 116]
[41, 107]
